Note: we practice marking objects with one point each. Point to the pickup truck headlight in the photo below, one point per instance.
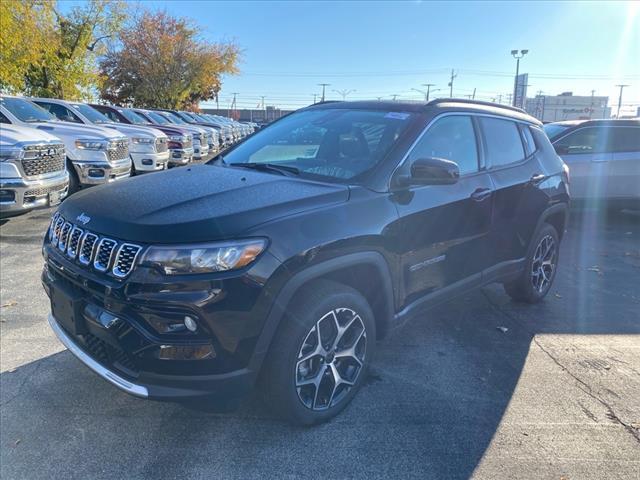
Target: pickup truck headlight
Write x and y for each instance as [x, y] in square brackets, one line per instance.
[9, 154]
[143, 140]
[204, 258]
[89, 144]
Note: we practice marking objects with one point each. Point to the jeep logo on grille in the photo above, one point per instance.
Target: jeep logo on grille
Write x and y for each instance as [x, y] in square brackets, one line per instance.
[83, 218]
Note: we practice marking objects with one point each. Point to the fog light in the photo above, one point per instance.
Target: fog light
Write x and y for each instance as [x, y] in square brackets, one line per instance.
[191, 324]
[147, 161]
[175, 352]
[96, 172]
[7, 196]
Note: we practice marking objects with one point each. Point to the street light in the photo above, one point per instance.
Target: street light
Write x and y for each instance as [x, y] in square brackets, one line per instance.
[344, 93]
[517, 55]
[429, 90]
[429, 85]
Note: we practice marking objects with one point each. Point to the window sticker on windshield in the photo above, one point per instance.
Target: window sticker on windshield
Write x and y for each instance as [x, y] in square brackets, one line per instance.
[397, 115]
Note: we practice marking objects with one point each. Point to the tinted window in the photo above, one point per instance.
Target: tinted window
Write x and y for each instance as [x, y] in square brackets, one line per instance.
[554, 130]
[61, 113]
[91, 113]
[112, 115]
[3, 119]
[584, 140]
[624, 139]
[26, 111]
[338, 144]
[451, 138]
[503, 141]
[527, 139]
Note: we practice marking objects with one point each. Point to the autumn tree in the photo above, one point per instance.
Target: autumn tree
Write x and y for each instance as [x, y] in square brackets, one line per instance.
[160, 61]
[45, 52]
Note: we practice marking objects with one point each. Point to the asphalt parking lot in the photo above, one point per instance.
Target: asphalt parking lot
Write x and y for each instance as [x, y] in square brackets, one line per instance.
[480, 387]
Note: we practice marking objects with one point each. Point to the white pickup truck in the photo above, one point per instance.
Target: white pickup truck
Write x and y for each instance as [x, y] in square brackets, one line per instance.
[148, 146]
[32, 170]
[95, 155]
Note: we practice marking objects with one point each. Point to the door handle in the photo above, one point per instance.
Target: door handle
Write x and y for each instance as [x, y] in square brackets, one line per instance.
[536, 178]
[480, 194]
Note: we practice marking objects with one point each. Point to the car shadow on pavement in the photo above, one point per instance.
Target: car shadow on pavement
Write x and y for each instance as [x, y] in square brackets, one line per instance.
[434, 399]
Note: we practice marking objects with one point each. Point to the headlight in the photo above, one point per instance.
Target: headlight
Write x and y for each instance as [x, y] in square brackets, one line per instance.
[205, 258]
[91, 144]
[9, 154]
[143, 140]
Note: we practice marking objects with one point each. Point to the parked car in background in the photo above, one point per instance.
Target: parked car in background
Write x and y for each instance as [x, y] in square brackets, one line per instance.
[148, 147]
[175, 116]
[213, 137]
[200, 141]
[604, 159]
[32, 170]
[287, 262]
[180, 139]
[95, 155]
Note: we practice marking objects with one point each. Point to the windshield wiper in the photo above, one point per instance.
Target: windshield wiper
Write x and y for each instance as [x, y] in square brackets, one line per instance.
[271, 167]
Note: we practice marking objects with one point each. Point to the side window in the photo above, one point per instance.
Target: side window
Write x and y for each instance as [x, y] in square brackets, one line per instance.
[452, 138]
[527, 139]
[624, 139]
[3, 119]
[111, 115]
[584, 140]
[503, 141]
[60, 112]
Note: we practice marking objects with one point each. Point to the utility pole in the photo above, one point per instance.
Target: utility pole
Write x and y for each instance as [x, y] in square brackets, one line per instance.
[453, 76]
[233, 103]
[323, 85]
[509, 97]
[426, 94]
[217, 102]
[343, 93]
[517, 56]
[428, 85]
[620, 99]
[395, 95]
[474, 94]
[315, 96]
[500, 98]
[262, 98]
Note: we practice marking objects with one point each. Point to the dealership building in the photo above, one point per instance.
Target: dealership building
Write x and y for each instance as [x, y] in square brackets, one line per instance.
[567, 106]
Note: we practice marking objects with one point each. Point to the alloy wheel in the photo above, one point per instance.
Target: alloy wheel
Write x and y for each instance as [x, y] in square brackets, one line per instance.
[544, 264]
[330, 359]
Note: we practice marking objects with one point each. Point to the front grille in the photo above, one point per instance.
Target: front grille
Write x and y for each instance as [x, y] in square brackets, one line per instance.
[92, 251]
[104, 254]
[108, 354]
[188, 143]
[118, 150]
[43, 159]
[161, 145]
[39, 192]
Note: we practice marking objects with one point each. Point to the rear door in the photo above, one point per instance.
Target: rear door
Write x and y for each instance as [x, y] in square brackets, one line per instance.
[624, 167]
[586, 151]
[442, 230]
[517, 174]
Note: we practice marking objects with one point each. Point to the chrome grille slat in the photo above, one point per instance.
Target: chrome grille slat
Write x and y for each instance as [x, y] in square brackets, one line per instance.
[91, 250]
[87, 248]
[118, 151]
[43, 159]
[161, 145]
[104, 254]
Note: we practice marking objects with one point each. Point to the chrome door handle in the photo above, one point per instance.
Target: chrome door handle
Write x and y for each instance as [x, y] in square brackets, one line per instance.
[480, 194]
[537, 178]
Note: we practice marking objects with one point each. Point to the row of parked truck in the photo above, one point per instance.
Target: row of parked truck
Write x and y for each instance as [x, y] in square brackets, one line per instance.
[51, 148]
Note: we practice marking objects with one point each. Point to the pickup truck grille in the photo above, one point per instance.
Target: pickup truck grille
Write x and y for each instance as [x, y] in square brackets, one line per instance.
[118, 150]
[91, 250]
[161, 145]
[188, 143]
[43, 159]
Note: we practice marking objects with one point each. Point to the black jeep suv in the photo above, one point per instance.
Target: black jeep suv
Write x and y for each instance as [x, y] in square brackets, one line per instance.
[285, 261]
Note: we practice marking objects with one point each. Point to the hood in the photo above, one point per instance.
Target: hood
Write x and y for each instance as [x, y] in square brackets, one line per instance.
[172, 130]
[134, 130]
[196, 204]
[13, 134]
[78, 130]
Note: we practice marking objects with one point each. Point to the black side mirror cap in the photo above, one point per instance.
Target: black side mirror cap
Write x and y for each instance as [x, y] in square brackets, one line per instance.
[431, 171]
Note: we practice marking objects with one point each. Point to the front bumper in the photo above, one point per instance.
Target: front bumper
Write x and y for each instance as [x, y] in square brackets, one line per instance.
[96, 173]
[150, 162]
[180, 156]
[31, 194]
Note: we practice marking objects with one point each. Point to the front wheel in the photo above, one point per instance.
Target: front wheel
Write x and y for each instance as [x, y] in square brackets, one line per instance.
[320, 355]
[540, 267]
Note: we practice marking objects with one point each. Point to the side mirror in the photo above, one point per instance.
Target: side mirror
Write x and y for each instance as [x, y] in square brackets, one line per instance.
[432, 171]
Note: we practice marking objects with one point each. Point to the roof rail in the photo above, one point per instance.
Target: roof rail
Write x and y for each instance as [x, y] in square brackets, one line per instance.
[475, 102]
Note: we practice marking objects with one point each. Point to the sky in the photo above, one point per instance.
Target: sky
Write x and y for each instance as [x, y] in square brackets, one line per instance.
[381, 49]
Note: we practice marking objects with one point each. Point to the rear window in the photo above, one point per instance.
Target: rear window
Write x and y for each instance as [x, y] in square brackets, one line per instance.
[554, 130]
[502, 140]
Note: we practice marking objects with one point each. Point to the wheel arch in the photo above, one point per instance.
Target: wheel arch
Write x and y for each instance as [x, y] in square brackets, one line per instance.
[556, 216]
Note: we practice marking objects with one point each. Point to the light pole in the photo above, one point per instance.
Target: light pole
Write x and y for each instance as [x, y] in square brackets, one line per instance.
[344, 93]
[323, 85]
[517, 55]
[429, 85]
[426, 94]
[620, 99]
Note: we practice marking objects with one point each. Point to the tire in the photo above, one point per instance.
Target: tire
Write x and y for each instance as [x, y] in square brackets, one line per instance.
[74, 182]
[306, 392]
[540, 269]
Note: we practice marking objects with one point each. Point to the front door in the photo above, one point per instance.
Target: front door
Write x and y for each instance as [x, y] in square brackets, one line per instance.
[441, 233]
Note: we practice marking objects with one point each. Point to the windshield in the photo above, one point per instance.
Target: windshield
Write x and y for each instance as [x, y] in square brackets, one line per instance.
[175, 118]
[157, 118]
[554, 130]
[133, 117]
[93, 115]
[26, 111]
[336, 144]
